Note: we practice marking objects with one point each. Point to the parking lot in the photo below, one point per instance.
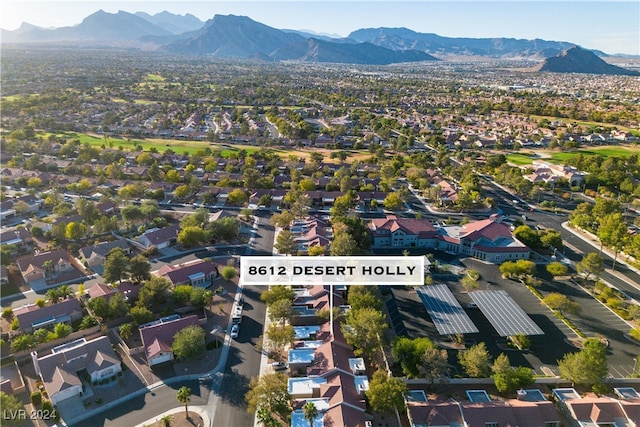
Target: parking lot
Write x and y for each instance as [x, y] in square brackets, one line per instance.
[408, 317]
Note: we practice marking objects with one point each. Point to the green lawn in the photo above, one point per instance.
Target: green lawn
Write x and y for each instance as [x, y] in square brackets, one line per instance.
[155, 77]
[519, 159]
[178, 146]
[605, 151]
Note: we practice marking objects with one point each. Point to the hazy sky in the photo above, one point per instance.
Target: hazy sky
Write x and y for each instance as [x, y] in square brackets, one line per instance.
[611, 26]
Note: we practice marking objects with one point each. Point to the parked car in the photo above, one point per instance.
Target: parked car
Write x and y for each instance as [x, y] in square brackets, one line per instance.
[235, 329]
[279, 366]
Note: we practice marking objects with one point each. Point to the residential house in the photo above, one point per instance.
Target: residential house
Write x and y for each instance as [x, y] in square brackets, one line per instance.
[199, 274]
[100, 290]
[44, 265]
[160, 237]
[96, 255]
[592, 410]
[629, 399]
[8, 207]
[157, 337]
[531, 409]
[107, 207]
[549, 172]
[31, 317]
[20, 237]
[334, 380]
[311, 232]
[62, 370]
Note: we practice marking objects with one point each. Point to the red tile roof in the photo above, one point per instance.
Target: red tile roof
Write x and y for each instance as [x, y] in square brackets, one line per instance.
[160, 336]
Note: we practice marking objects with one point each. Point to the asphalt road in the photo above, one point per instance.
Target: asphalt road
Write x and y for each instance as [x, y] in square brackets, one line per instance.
[146, 406]
[629, 283]
[244, 360]
[243, 363]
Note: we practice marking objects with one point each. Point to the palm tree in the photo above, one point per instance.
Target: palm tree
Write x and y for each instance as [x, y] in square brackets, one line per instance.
[265, 417]
[310, 412]
[184, 397]
[48, 267]
[166, 420]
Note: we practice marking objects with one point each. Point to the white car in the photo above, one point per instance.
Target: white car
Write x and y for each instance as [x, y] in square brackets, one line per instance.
[235, 329]
[278, 366]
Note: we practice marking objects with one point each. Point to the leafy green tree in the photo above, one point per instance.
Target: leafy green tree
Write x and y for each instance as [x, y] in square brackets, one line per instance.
[551, 238]
[62, 330]
[343, 245]
[475, 361]
[591, 264]
[181, 295]
[225, 229]
[393, 202]
[118, 307]
[277, 292]
[11, 405]
[100, 307]
[360, 296]
[385, 393]
[561, 303]
[264, 416]
[141, 315]
[300, 206]
[506, 378]
[613, 233]
[200, 297]
[229, 272]
[41, 335]
[282, 219]
[281, 311]
[280, 335]
[588, 366]
[363, 330]
[192, 236]
[316, 251]
[75, 230]
[269, 392]
[184, 397]
[408, 352]
[286, 243]
[433, 364]
[189, 343]
[557, 269]
[126, 330]
[139, 268]
[199, 218]
[132, 214]
[528, 236]
[237, 197]
[116, 266]
[154, 292]
[23, 342]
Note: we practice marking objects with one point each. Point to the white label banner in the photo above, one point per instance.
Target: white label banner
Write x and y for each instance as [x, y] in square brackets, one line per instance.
[332, 270]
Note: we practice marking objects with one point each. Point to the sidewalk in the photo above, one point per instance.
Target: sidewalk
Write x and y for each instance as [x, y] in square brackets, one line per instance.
[593, 241]
[200, 410]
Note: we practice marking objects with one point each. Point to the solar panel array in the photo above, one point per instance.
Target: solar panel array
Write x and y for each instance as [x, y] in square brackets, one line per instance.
[445, 311]
[504, 314]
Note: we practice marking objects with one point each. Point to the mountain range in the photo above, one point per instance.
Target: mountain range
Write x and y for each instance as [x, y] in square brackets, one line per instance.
[230, 36]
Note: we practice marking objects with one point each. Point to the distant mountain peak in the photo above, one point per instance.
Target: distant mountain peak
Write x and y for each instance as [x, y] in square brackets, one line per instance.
[579, 60]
